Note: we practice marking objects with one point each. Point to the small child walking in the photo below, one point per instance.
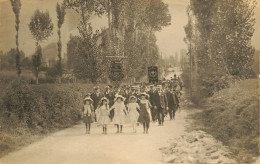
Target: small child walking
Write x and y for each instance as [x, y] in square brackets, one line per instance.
[119, 112]
[133, 113]
[103, 114]
[87, 113]
[144, 116]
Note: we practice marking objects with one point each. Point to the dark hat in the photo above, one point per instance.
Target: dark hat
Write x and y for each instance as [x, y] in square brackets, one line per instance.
[96, 87]
[88, 95]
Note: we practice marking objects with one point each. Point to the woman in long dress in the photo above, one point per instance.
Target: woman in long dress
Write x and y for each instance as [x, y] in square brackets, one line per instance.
[133, 113]
[103, 114]
[120, 112]
[145, 113]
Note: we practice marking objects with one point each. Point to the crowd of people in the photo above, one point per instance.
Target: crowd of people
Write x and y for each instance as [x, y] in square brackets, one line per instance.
[135, 104]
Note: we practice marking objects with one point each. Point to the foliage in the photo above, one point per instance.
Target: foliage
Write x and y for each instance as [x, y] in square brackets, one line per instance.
[28, 111]
[60, 9]
[232, 116]
[16, 5]
[37, 61]
[157, 15]
[256, 65]
[130, 33]
[84, 57]
[218, 35]
[7, 60]
[41, 28]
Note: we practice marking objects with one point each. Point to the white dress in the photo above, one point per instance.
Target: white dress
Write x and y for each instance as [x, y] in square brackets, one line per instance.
[133, 113]
[103, 115]
[119, 113]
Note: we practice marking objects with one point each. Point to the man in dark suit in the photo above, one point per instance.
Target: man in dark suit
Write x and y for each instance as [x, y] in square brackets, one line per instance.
[151, 93]
[172, 102]
[160, 105]
[96, 97]
[110, 95]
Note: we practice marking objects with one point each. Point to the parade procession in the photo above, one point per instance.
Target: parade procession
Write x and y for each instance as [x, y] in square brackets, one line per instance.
[129, 81]
[137, 105]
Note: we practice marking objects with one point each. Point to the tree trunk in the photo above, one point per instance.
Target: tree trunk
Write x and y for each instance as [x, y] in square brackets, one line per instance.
[108, 15]
[18, 66]
[37, 80]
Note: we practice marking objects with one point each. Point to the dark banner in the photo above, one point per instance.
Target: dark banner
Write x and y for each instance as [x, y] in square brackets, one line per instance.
[153, 74]
[116, 71]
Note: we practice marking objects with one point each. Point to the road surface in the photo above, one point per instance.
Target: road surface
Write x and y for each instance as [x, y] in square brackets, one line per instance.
[73, 146]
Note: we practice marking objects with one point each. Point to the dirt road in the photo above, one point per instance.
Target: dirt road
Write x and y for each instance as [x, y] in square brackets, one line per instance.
[72, 145]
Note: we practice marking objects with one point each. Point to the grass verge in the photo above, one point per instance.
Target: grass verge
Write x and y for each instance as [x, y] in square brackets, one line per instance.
[232, 116]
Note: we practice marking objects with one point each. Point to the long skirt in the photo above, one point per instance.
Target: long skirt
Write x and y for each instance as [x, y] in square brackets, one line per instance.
[104, 120]
[132, 117]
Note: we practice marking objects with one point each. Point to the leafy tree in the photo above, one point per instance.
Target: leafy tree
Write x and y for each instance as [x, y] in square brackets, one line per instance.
[16, 5]
[41, 28]
[7, 60]
[60, 9]
[221, 41]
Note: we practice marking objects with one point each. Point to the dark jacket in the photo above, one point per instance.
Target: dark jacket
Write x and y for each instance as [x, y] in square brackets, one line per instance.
[110, 96]
[172, 99]
[96, 98]
[160, 100]
[151, 99]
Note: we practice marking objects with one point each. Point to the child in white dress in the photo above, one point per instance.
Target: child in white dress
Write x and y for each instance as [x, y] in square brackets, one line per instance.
[133, 113]
[103, 114]
[120, 112]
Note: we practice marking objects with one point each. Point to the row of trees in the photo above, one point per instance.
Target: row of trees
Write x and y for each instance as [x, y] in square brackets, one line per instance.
[41, 28]
[218, 35]
[131, 34]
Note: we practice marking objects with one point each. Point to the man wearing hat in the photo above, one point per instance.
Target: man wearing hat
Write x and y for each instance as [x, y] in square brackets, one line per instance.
[96, 97]
[172, 102]
[160, 104]
[151, 93]
[110, 95]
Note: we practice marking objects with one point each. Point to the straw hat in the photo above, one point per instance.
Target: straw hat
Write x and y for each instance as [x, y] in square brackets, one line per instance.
[88, 99]
[132, 97]
[119, 96]
[144, 94]
[104, 98]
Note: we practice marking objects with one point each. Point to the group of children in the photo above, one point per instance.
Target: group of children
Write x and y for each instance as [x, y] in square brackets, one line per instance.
[136, 111]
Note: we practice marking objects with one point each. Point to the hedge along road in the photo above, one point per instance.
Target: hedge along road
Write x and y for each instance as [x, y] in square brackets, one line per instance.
[72, 145]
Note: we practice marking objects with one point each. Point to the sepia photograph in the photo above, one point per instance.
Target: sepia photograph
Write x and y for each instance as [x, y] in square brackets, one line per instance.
[129, 81]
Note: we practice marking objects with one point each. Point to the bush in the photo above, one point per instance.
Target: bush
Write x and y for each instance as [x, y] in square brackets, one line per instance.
[232, 116]
[21, 103]
[28, 110]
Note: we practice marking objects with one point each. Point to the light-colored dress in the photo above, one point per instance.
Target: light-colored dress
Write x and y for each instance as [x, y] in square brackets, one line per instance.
[103, 115]
[119, 113]
[133, 113]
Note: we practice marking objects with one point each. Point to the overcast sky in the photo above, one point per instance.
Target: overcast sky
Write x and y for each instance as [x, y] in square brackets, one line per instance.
[170, 39]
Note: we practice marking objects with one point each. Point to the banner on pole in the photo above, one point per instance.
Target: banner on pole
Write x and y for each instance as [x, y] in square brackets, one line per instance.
[153, 74]
[116, 71]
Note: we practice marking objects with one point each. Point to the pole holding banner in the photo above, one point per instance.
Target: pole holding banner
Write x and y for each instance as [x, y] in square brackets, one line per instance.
[153, 74]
